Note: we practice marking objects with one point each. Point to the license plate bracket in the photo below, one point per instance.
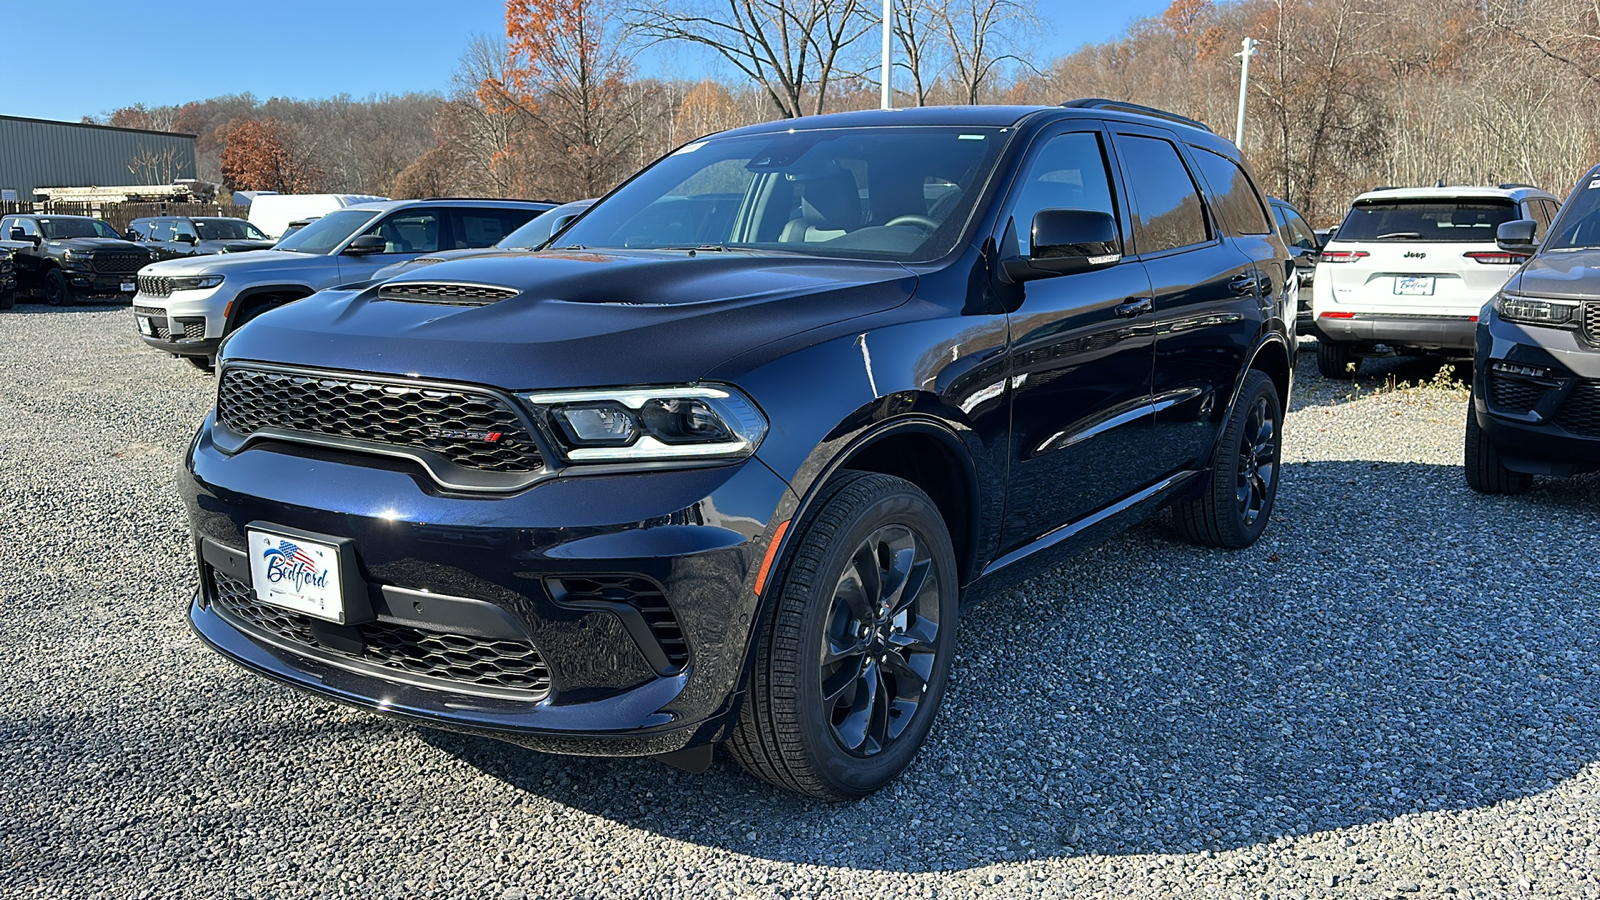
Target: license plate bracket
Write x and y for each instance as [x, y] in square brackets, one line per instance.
[129, 287]
[309, 573]
[145, 328]
[1414, 285]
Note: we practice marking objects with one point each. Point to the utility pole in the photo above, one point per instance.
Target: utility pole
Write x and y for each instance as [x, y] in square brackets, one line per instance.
[1251, 47]
[888, 21]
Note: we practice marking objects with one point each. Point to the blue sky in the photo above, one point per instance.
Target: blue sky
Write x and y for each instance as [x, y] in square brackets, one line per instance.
[306, 49]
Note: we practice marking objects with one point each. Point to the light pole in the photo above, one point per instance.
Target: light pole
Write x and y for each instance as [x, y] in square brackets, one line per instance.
[1251, 47]
[887, 22]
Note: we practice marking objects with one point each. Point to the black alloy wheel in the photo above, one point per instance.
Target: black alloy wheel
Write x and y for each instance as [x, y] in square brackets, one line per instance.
[56, 290]
[854, 651]
[1233, 508]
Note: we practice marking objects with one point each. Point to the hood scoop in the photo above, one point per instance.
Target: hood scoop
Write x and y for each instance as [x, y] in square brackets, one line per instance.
[446, 293]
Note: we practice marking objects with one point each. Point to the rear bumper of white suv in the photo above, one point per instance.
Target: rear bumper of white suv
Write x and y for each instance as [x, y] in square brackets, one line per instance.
[1423, 332]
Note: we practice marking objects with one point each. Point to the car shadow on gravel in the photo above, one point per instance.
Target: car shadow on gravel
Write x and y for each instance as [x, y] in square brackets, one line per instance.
[1393, 645]
[30, 307]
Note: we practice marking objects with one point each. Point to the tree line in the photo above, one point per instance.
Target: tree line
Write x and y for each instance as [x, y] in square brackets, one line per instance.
[1345, 95]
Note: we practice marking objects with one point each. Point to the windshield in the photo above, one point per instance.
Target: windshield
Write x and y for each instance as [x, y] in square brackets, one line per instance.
[538, 229]
[228, 230]
[1434, 221]
[61, 229]
[900, 193]
[1578, 224]
[328, 232]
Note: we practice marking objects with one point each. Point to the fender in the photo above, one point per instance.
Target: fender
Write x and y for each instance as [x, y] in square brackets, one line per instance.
[239, 301]
[1270, 342]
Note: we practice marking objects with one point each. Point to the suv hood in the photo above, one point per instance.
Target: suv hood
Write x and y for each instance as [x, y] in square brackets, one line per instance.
[1573, 274]
[581, 319]
[253, 261]
[94, 244]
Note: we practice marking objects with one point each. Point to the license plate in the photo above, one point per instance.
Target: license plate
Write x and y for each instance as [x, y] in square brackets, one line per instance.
[129, 287]
[144, 325]
[1414, 285]
[296, 574]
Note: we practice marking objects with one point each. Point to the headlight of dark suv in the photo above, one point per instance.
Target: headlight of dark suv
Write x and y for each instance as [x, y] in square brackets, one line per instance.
[694, 422]
[1535, 310]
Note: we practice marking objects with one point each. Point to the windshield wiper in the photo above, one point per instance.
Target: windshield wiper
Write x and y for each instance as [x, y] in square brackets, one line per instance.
[1408, 235]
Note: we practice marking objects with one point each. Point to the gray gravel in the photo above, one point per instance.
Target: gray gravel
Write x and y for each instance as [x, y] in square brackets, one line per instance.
[1394, 694]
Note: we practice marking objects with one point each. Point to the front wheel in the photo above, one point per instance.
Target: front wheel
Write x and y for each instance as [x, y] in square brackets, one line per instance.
[8, 300]
[855, 651]
[1486, 473]
[56, 290]
[1237, 501]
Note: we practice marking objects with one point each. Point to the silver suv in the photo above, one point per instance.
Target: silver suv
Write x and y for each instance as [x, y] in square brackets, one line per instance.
[187, 306]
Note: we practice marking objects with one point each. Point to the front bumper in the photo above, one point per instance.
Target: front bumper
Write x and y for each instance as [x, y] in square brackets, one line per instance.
[1544, 416]
[182, 329]
[423, 556]
[94, 284]
[1417, 332]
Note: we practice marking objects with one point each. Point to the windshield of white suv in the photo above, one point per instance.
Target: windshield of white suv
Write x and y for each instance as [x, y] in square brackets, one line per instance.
[1428, 221]
[1578, 224]
[61, 229]
[900, 193]
[328, 232]
[228, 230]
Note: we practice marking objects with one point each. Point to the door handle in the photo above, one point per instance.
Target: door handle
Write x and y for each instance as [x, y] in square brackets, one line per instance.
[1137, 306]
[1244, 284]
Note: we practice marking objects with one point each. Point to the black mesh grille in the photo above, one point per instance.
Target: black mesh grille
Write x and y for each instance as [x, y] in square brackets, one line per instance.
[1580, 412]
[640, 593]
[460, 658]
[194, 331]
[148, 311]
[472, 429]
[1591, 322]
[450, 294]
[155, 285]
[119, 262]
[1514, 394]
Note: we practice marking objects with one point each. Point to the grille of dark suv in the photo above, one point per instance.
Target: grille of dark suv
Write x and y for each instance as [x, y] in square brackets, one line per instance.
[155, 285]
[1591, 322]
[1580, 412]
[119, 262]
[473, 429]
[640, 593]
[1514, 394]
[445, 293]
[446, 656]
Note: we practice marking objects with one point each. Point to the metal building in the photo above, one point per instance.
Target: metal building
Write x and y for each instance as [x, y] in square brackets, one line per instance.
[39, 153]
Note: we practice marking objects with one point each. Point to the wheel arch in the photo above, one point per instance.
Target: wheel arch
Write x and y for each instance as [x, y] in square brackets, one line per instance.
[252, 296]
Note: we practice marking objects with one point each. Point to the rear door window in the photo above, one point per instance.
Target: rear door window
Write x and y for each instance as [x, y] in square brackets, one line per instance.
[1297, 233]
[475, 228]
[1237, 201]
[1427, 221]
[1170, 212]
[412, 231]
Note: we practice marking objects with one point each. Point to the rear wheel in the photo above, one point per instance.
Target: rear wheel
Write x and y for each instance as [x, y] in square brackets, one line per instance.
[1238, 498]
[1336, 360]
[56, 290]
[854, 656]
[1486, 473]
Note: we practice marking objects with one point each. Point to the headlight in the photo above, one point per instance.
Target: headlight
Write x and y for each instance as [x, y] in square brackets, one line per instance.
[661, 423]
[74, 260]
[1534, 310]
[195, 282]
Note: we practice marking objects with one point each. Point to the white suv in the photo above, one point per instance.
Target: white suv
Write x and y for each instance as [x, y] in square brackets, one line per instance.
[1409, 269]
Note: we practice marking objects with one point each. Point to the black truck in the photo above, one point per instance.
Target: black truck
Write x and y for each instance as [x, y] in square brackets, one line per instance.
[70, 258]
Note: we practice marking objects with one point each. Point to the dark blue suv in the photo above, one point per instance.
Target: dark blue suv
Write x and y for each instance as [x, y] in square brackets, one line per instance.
[717, 464]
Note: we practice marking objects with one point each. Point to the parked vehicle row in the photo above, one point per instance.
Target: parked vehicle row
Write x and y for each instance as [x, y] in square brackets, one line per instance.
[175, 236]
[715, 466]
[68, 258]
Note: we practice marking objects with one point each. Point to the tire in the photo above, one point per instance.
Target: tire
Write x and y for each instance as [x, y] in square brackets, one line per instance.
[1243, 485]
[56, 290]
[1486, 474]
[1336, 360]
[819, 728]
[8, 300]
[203, 363]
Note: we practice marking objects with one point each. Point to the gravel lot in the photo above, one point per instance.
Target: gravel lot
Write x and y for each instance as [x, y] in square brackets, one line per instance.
[1395, 693]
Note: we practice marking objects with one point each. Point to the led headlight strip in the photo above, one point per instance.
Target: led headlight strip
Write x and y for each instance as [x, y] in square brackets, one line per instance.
[635, 424]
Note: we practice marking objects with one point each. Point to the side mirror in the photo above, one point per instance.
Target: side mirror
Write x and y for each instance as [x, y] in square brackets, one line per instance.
[17, 234]
[183, 237]
[1518, 236]
[367, 243]
[1066, 241]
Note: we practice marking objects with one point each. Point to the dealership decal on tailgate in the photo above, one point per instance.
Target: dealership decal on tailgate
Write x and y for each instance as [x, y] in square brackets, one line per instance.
[296, 574]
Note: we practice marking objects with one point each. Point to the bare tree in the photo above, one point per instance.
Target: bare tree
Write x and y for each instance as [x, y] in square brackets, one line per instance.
[793, 49]
[916, 30]
[974, 31]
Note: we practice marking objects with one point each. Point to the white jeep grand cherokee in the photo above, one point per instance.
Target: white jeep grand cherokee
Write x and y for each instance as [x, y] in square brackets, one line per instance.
[1409, 269]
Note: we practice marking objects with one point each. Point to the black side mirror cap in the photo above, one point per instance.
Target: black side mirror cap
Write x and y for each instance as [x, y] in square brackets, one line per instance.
[367, 243]
[1065, 241]
[17, 234]
[1517, 236]
[186, 238]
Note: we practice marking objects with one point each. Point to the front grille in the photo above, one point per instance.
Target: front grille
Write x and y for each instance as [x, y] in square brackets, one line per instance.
[1580, 412]
[1591, 322]
[446, 656]
[473, 429]
[194, 331]
[1515, 395]
[119, 262]
[155, 285]
[640, 593]
[148, 311]
[445, 293]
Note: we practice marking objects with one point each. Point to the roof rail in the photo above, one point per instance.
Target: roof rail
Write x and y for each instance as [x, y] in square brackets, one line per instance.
[1124, 106]
[1511, 185]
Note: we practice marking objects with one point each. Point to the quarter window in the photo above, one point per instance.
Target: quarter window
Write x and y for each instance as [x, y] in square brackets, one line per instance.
[1170, 211]
[1540, 213]
[1237, 201]
[1296, 233]
[1069, 173]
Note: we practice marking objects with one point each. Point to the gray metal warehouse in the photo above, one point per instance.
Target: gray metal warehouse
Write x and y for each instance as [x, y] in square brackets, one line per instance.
[39, 153]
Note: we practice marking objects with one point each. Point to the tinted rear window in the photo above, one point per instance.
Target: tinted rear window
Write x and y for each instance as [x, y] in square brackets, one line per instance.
[1427, 220]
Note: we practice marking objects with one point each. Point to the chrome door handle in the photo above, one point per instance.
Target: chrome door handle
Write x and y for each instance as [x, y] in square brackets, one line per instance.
[1138, 306]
